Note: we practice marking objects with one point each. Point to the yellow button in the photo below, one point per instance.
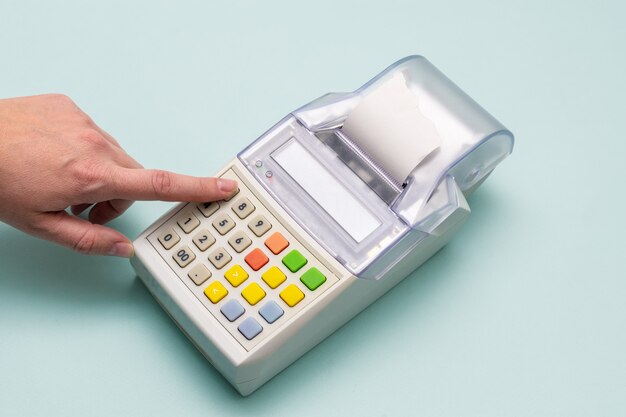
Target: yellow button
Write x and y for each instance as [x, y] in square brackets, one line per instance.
[292, 295]
[253, 293]
[274, 277]
[215, 292]
[236, 275]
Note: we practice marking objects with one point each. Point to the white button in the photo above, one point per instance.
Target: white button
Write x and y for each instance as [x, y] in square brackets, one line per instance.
[208, 208]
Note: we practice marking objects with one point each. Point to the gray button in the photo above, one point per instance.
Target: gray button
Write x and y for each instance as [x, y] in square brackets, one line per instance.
[271, 312]
[188, 222]
[259, 225]
[219, 257]
[208, 208]
[223, 223]
[203, 239]
[183, 256]
[239, 241]
[199, 274]
[232, 310]
[169, 238]
[243, 207]
[250, 328]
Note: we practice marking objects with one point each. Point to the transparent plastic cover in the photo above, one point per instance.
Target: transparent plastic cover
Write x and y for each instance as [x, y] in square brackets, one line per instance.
[359, 170]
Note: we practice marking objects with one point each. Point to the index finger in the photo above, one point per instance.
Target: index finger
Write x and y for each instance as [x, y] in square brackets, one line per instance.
[155, 184]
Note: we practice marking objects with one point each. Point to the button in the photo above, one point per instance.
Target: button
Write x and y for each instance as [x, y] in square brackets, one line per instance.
[199, 274]
[184, 256]
[294, 261]
[259, 225]
[313, 278]
[232, 195]
[169, 238]
[236, 275]
[253, 293]
[273, 277]
[292, 295]
[232, 310]
[276, 243]
[219, 257]
[203, 239]
[256, 259]
[271, 311]
[215, 292]
[239, 241]
[243, 207]
[188, 222]
[223, 223]
[208, 208]
[250, 328]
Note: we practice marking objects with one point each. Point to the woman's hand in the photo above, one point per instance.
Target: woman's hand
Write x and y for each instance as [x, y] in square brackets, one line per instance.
[53, 156]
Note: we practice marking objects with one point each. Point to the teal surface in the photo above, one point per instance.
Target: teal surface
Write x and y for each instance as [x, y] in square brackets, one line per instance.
[523, 314]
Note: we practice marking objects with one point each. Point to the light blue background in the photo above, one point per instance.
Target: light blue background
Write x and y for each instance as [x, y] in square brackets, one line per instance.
[523, 314]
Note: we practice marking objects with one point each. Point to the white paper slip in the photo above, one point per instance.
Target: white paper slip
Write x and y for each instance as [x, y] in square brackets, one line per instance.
[388, 125]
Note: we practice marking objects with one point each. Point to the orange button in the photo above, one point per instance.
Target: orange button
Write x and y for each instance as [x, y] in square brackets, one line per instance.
[256, 259]
[276, 243]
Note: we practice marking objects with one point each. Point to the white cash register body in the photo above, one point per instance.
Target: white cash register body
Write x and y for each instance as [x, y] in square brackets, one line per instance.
[364, 186]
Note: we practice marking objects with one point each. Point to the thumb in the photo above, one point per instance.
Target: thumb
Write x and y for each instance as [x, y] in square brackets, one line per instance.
[83, 236]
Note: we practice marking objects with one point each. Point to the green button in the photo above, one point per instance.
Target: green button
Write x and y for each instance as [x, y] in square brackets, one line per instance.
[313, 278]
[294, 261]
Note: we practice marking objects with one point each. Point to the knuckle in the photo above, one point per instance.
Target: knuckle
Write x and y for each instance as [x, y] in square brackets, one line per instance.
[93, 137]
[86, 243]
[162, 183]
[58, 97]
[89, 174]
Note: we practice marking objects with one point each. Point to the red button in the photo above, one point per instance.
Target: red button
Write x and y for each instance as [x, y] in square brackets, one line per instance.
[256, 259]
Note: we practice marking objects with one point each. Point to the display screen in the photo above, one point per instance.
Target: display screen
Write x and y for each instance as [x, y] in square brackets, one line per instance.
[329, 193]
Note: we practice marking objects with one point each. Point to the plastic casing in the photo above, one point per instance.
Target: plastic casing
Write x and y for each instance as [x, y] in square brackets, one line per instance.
[472, 143]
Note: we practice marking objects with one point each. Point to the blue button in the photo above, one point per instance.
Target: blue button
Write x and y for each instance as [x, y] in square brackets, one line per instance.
[271, 312]
[232, 310]
[250, 328]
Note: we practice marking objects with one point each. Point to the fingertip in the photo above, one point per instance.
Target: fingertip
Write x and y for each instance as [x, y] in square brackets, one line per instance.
[122, 249]
[226, 185]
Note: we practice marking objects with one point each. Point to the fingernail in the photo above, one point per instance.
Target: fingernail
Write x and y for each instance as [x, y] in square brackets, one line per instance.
[123, 249]
[226, 185]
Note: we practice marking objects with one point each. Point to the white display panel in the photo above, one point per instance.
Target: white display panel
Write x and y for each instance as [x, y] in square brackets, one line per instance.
[331, 195]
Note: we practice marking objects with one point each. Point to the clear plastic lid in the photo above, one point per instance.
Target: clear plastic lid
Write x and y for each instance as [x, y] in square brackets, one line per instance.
[370, 173]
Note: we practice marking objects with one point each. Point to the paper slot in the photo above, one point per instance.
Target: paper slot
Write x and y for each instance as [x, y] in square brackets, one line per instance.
[388, 125]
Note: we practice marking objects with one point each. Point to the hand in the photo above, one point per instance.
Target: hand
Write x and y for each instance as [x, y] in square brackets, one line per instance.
[53, 156]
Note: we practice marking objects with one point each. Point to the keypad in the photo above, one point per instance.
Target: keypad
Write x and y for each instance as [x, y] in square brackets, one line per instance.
[249, 271]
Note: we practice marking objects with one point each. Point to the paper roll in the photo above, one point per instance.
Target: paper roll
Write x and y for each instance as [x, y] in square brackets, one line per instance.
[388, 125]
